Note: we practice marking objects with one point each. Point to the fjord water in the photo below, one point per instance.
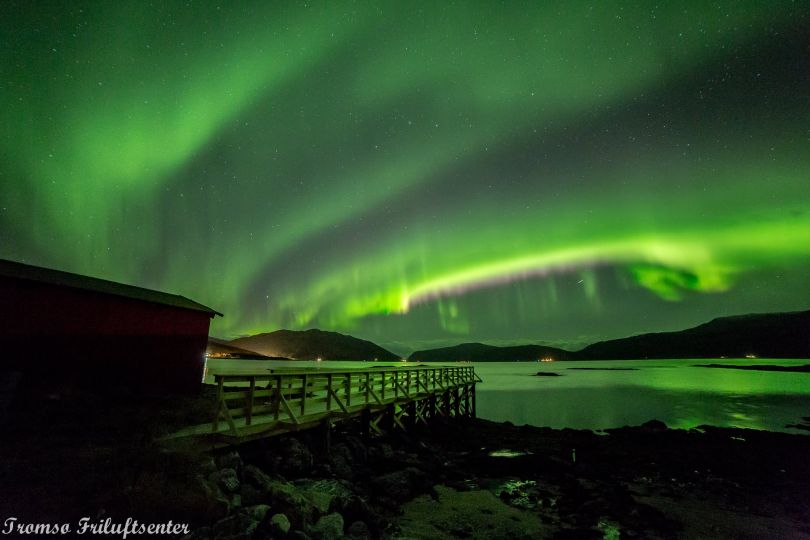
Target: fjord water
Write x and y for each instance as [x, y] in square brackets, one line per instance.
[602, 396]
[673, 391]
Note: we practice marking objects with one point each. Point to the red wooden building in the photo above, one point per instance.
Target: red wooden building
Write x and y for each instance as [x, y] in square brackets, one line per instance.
[58, 326]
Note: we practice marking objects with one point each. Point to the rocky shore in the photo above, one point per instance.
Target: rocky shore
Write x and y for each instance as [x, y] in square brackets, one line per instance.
[460, 478]
[478, 479]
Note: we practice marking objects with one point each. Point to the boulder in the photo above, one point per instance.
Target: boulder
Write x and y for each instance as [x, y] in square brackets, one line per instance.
[340, 461]
[329, 527]
[279, 525]
[294, 458]
[282, 495]
[358, 531]
[409, 459]
[226, 479]
[255, 477]
[326, 495]
[206, 465]
[250, 495]
[357, 448]
[381, 451]
[230, 460]
[401, 486]
[290, 501]
[358, 509]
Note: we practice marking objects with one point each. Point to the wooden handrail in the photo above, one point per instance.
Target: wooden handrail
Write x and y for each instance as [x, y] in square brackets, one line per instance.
[299, 396]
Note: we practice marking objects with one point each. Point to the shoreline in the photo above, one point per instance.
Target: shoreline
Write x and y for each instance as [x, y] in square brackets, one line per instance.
[481, 479]
[468, 478]
[94, 454]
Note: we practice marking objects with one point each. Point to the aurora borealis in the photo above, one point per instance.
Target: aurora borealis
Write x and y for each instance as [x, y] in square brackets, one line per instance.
[416, 173]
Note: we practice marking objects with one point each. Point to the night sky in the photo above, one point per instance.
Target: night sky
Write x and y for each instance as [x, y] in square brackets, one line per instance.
[417, 174]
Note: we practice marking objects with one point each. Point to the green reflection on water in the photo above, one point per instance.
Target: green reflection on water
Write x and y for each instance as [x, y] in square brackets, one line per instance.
[673, 391]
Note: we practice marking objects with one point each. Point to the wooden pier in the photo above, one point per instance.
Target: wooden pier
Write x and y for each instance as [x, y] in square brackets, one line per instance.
[263, 404]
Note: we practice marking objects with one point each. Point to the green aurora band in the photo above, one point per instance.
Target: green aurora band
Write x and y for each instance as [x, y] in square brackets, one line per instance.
[416, 173]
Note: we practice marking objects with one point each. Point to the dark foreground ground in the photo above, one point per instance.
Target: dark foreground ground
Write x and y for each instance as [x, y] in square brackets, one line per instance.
[457, 479]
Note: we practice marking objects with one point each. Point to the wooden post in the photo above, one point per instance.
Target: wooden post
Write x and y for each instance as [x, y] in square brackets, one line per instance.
[304, 394]
[388, 421]
[249, 415]
[411, 411]
[348, 390]
[473, 401]
[426, 408]
[329, 392]
[277, 400]
[220, 391]
[368, 386]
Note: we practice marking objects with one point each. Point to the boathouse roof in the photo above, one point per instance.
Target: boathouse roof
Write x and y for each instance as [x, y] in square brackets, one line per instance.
[26, 272]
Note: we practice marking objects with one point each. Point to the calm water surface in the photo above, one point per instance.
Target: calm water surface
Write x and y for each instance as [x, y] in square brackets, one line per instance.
[673, 391]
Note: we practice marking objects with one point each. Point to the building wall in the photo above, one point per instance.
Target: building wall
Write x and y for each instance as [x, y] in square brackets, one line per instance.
[90, 338]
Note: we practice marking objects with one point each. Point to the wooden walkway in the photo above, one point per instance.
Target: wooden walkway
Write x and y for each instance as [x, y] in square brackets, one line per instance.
[263, 404]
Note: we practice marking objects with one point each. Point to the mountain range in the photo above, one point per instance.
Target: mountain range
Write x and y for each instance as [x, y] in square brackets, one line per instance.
[479, 352]
[764, 335]
[314, 344]
[220, 348]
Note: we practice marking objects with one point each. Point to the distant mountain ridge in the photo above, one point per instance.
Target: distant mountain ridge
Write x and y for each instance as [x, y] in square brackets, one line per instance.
[764, 335]
[480, 352]
[220, 348]
[313, 344]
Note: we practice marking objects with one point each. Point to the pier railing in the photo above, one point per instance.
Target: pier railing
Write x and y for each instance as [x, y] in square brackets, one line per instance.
[251, 405]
